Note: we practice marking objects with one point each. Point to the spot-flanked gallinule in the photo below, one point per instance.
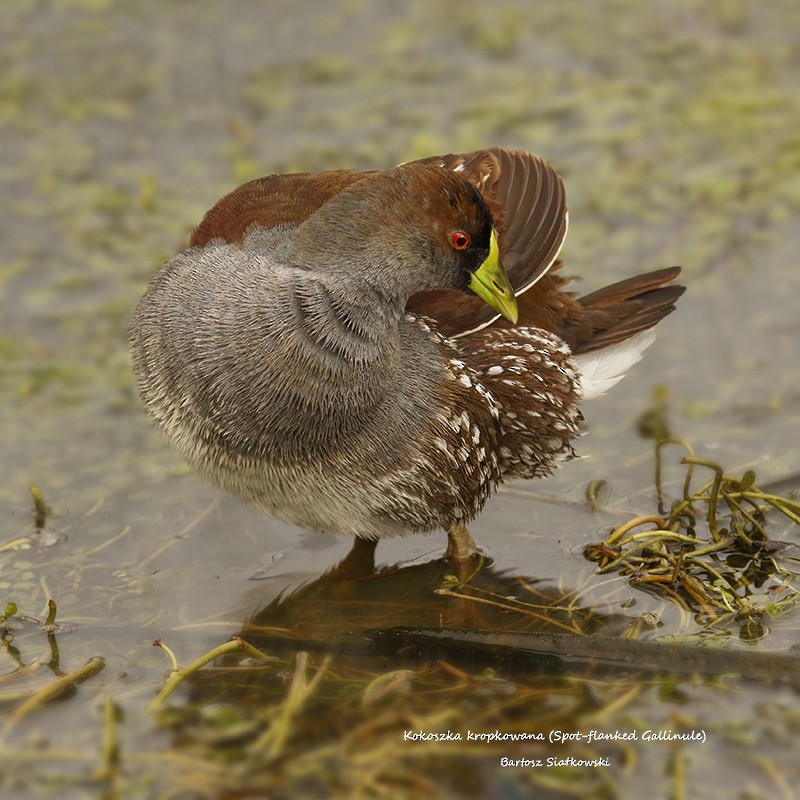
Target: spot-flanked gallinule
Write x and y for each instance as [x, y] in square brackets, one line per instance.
[345, 350]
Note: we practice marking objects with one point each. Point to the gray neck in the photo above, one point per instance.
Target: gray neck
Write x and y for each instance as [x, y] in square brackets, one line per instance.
[332, 361]
[342, 316]
[318, 342]
[355, 241]
[332, 307]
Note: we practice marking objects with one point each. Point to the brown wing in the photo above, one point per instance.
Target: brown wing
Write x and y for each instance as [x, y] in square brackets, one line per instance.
[528, 203]
[271, 201]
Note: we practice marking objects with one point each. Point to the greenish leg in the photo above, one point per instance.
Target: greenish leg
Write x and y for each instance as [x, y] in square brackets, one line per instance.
[460, 545]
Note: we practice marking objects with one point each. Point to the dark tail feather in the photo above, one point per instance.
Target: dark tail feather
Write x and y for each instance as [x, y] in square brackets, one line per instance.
[617, 312]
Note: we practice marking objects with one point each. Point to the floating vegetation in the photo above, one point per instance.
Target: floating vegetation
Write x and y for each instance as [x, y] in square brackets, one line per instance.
[178, 675]
[711, 553]
[32, 694]
[40, 509]
[323, 726]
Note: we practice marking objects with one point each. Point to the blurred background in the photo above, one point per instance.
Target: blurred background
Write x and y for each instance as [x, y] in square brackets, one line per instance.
[674, 125]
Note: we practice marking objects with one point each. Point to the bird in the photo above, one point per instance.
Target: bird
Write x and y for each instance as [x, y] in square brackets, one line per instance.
[372, 353]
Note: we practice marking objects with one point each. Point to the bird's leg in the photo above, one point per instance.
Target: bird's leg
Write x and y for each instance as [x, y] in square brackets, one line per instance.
[460, 545]
[360, 561]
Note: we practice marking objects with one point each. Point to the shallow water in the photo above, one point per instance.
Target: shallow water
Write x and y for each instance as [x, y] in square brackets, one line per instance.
[673, 126]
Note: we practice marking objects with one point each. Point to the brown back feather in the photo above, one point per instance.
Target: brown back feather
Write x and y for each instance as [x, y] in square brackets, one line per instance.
[269, 202]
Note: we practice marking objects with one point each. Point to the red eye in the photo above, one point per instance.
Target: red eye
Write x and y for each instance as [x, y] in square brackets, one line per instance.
[459, 240]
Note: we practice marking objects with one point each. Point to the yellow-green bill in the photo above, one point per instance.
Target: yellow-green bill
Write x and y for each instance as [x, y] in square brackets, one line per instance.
[491, 284]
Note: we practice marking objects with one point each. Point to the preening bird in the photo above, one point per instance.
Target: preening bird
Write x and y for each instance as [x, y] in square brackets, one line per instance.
[372, 353]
